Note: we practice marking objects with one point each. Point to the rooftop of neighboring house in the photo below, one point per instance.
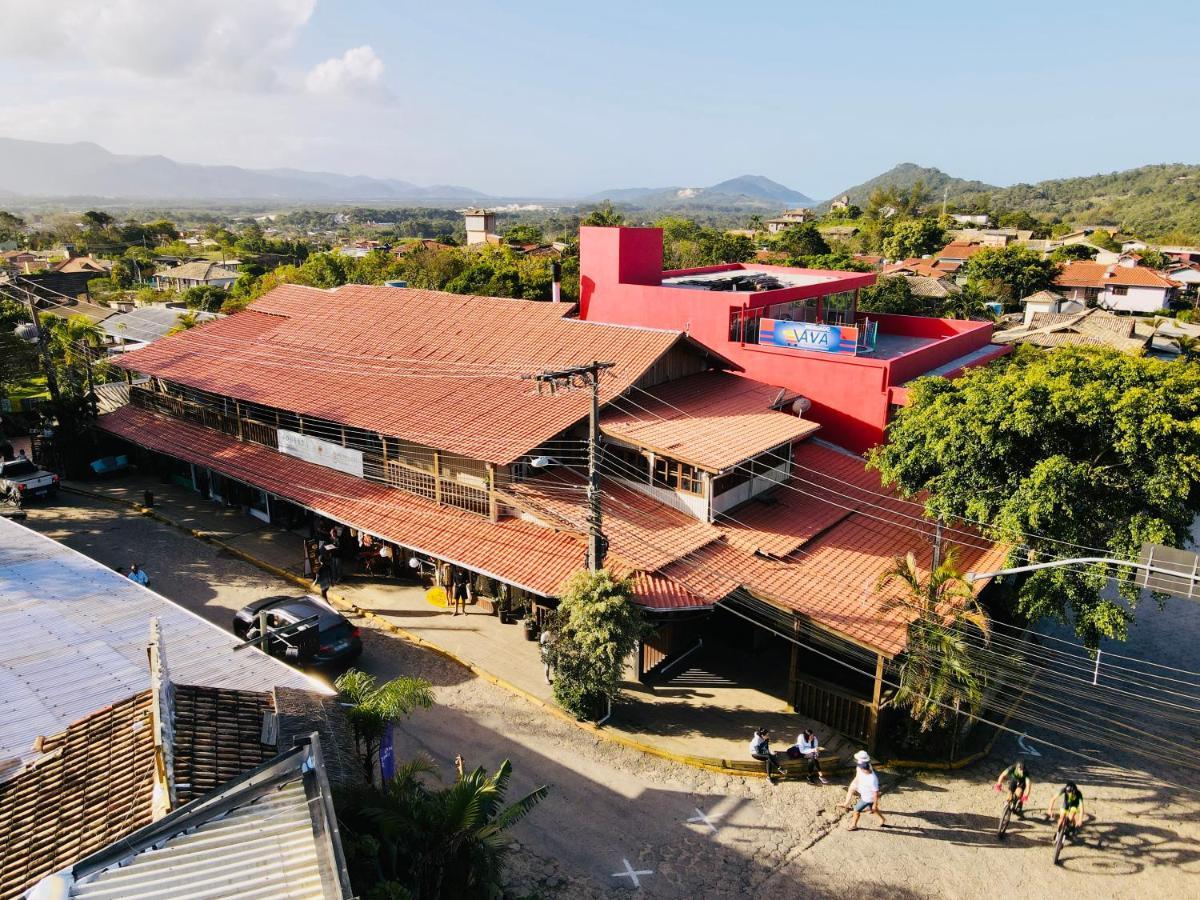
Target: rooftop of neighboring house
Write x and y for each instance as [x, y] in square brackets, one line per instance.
[936, 288]
[1088, 274]
[77, 632]
[84, 264]
[203, 271]
[1089, 328]
[442, 370]
[148, 323]
[915, 265]
[959, 251]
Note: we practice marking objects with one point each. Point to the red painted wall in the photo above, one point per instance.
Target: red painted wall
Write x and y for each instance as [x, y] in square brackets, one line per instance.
[621, 281]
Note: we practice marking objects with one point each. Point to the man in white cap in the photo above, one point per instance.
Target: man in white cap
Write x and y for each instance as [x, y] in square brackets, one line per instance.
[866, 785]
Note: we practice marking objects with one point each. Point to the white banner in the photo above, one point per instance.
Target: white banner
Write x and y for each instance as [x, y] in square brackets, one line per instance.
[323, 453]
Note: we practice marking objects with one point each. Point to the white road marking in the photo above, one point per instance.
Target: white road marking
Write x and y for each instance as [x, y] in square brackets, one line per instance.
[707, 820]
[1025, 748]
[632, 874]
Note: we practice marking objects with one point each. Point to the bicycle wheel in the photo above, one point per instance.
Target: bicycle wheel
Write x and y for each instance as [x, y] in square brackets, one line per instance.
[1005, 816]
[1058, 842]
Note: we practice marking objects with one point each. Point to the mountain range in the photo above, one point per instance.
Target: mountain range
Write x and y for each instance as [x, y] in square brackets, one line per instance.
[905, 175]
[753, 190]
[40, 169]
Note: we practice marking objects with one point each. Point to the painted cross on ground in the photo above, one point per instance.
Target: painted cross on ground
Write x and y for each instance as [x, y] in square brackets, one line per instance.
[706, 819]
[632, 874]
[1025, 748]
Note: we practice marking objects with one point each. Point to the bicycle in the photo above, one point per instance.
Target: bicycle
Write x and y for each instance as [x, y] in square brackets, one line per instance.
[1012, 804]
[1066, 829]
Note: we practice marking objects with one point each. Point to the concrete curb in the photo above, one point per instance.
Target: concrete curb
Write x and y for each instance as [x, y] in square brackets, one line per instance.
[710, 764]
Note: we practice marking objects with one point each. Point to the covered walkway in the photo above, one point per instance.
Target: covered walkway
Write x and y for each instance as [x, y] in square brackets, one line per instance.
[697, 711]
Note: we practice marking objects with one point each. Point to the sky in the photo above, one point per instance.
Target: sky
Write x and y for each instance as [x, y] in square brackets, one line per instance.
[553, 99]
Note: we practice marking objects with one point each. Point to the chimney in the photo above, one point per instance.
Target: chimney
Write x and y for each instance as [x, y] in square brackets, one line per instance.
[556, 282]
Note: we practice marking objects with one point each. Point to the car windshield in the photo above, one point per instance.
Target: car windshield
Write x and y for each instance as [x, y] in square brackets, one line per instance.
[19, 468]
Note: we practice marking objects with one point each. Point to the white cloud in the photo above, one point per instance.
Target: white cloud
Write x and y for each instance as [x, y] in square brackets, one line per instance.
[223, 42]
[356, 72]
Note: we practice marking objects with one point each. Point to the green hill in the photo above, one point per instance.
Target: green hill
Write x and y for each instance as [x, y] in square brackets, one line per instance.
[905, 176]
[1160, 201]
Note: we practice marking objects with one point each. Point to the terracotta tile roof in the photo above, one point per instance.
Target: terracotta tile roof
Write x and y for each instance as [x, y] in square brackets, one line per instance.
[218, 735]
[202, 270]
[814, 499]
[644, 533]
[713, 420]
[960, 250]
[929, 286]
[915, 266]
[367, 356]
[660, 594]
[92, 785]
[519, 552]
[1085, 273]
[1089, 328]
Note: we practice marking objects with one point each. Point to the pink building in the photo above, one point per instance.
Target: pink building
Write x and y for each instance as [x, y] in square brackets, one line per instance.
[798, 329]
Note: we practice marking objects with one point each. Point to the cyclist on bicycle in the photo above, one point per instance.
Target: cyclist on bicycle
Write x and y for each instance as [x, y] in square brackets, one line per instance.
[1016, 779]
[1070, 801]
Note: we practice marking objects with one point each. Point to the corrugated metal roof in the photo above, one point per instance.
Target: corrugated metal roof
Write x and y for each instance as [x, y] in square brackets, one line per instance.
[363, 356]
[75, 637]
[263, 849]
[713, 420]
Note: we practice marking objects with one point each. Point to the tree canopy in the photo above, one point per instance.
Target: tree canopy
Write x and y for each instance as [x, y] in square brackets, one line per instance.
[1080, 445]
[914, 237]
[801, 240]
[1011, 272]
[892, 294]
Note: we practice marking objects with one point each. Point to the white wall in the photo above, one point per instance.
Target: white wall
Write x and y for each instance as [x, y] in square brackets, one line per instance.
[692, 504]
[752, 488]
[1139, 299]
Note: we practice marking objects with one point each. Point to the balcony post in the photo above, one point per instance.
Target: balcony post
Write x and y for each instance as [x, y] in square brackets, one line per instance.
[876, 695]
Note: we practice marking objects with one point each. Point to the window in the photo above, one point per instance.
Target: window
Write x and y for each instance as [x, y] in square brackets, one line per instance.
[795, 311]
[838, 309]
[743, 325]
[1119, 290]
[677, 476]
[1091, 293]
[625, 462]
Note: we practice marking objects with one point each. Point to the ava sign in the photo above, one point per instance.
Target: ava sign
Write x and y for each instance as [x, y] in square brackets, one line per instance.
[809, 336]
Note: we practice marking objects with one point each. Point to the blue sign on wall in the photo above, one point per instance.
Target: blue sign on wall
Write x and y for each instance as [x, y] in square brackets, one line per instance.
[808, 336]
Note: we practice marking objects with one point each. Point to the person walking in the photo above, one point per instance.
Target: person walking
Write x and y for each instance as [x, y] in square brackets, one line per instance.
[460, 584]
[545, 640]
[760, 749]
[333, 555]
[138, 575]
[323, 578]
[866, 785]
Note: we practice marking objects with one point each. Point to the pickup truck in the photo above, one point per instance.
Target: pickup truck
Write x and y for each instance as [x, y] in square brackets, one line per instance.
[22, 479]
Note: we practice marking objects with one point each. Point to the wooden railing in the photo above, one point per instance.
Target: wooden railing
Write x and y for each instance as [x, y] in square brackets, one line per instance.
[843, 712]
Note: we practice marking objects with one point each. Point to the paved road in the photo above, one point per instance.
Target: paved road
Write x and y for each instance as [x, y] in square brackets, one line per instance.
[609, 806]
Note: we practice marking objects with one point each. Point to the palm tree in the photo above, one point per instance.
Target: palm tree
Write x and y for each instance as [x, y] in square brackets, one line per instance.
[1189, 346]
[371, 708]
[436, 843]
[937, 678]
[71, 336]
[185, 321]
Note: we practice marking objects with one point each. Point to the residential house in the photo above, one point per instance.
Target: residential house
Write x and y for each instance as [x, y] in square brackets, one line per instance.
[980, 220]
[1089, 328]
[1186, 276]
[1122, 286]
[789, 218]
[931, 288]
[915, 265]
[195, 274]
[481, 227]
[841, 204]
[1043, 302]
[952, 257]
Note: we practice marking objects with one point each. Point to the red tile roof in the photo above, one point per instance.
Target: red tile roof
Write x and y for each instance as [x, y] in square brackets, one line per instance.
[442, 370]
[661, 594]
[642, 532]
[520, 553]
[1085, 273]
[713, 420]
[960, 250]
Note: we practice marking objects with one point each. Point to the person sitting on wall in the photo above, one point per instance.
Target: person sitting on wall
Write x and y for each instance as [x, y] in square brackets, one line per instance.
[808, 748]
[760, 749]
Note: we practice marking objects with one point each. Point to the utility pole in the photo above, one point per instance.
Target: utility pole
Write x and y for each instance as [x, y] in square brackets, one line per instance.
[945, 197]
[51, 379]
[937, 554]
[586, 376]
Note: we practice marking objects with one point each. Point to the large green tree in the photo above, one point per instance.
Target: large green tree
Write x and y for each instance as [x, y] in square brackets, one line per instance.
[1058, 453]
[914, 237]
[1012, 272]
[801, 240]
[892, 294]
[595, 628]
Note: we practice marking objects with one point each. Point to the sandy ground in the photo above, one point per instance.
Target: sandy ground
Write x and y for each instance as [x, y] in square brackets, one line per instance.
[612, 810]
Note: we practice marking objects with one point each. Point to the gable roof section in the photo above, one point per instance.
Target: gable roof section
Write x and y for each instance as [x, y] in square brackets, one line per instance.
[148, 323]
[199, 271]
[442, 370]
[713, 420]
[1085, 273]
